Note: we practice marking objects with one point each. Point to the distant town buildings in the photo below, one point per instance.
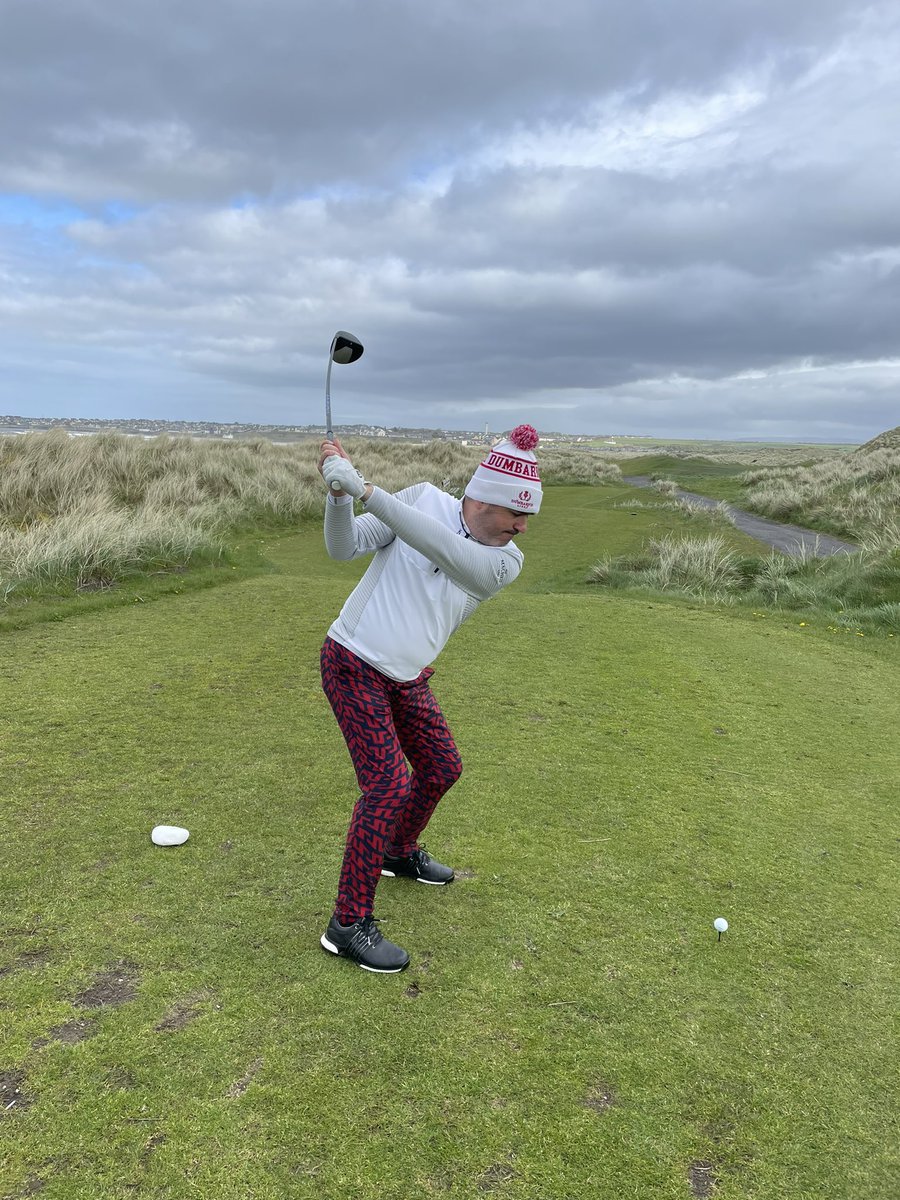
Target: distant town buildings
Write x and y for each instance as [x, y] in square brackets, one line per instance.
[283, 434]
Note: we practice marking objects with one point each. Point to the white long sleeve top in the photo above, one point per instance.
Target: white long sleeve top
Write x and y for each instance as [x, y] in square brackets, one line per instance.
[427, 577]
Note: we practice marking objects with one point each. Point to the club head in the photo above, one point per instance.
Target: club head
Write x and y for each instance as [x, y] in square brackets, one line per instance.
[345, 348]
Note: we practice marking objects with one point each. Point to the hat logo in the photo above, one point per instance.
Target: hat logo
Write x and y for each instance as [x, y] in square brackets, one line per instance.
[506, 464]
[523, 497]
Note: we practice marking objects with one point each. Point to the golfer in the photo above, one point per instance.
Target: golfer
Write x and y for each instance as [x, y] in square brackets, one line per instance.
[436, 559]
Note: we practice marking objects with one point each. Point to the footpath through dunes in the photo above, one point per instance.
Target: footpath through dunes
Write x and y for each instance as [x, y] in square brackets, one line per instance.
[633, 770]
[788, 539]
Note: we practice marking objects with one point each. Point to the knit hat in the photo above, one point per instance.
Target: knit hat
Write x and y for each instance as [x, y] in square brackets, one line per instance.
[509, 475]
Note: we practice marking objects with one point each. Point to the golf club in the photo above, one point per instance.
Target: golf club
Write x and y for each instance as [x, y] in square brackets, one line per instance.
[345, 348]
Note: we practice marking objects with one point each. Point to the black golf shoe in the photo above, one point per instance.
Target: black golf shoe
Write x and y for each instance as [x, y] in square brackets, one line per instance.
[364, 943]
[419, 866]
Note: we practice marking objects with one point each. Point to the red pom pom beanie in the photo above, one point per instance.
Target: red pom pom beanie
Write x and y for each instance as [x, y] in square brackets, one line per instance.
[509, 475]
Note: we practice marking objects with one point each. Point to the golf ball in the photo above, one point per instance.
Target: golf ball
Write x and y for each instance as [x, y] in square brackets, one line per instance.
[720, 924]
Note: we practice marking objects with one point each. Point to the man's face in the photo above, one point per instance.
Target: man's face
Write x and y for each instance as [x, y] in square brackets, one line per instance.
[493, 525]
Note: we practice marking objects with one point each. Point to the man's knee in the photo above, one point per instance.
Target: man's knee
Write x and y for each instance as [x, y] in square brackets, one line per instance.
[450, 770]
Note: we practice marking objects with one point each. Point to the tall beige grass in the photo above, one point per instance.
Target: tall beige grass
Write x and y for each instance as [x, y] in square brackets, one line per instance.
[93, 510]
[703, 567]
[97, 542]
[857, 495]
[721, 514]
[859, 590]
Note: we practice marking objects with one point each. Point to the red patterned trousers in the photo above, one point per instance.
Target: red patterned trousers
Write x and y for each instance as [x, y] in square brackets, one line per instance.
[385, 723]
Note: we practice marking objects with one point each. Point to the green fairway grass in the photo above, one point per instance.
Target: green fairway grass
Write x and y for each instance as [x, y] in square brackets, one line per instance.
[719, 479]
[570, 1028]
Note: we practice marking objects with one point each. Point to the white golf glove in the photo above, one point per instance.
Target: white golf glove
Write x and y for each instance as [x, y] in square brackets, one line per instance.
[340, 471]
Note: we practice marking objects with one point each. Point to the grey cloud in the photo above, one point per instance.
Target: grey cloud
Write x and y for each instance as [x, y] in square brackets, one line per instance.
[158, 100]
[403, 208]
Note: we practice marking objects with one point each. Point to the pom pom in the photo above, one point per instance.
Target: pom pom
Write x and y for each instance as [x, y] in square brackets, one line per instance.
[524, 437]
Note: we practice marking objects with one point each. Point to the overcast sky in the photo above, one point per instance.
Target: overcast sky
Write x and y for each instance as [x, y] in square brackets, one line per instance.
[609, 216]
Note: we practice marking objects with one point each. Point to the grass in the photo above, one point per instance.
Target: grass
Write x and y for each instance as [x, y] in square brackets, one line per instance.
[91, 513]
[570, 1027]
[721, 479]
[858, 591]
[855, 495]
[774, 454]
[858, 495]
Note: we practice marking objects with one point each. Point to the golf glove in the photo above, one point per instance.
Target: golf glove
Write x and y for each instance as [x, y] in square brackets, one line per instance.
[342, 472]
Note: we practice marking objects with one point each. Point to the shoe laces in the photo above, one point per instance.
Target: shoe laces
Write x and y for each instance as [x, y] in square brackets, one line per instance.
[368, 934]
[421, 856]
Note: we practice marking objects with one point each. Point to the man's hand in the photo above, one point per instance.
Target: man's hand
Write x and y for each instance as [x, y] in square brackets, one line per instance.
[341, 471]
[329, 449]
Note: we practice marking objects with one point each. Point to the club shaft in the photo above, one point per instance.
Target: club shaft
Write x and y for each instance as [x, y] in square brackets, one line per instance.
[329, 431]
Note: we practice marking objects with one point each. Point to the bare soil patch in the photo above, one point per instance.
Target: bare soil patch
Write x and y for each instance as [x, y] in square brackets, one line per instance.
[70, 1033]
[240, 1085]
[12, 1097]
[600, 1098]
[702, 1178]
[152, 1143]
[494, 1175]
[111, 987]
[120, 1079]
[30, 1187]
[27, 960]
[182, 1013]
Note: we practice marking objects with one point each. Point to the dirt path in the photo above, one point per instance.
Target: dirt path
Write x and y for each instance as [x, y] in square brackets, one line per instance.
[789, 539]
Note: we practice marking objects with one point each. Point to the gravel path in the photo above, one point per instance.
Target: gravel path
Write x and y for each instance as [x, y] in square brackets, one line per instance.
[789, 539]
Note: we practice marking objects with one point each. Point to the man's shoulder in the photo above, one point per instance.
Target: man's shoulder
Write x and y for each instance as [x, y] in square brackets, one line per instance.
[432, 498]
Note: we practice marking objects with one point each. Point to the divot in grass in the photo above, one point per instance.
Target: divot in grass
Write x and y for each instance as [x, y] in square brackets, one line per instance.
[182, 1013]
[31, 1187]
[702, 1178]
[70, 1033]
[12, 1098]
[494, 1176]
[27, 960]
[240, 1085]
[152, 1143]
[112, 987]
[120, 1079]
[600, 1098]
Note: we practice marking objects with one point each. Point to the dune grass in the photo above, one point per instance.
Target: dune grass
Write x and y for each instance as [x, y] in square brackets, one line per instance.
[857, 592]
[857, 495]
[570, 1027]
[850, 591]
[853, 494]
[82, 514]
[721, 479]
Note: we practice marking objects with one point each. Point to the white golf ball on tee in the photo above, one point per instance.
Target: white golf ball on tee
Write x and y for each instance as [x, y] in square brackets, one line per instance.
[720, 924]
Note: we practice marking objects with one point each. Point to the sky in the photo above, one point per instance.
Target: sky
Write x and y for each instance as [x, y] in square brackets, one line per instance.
[595, 216]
